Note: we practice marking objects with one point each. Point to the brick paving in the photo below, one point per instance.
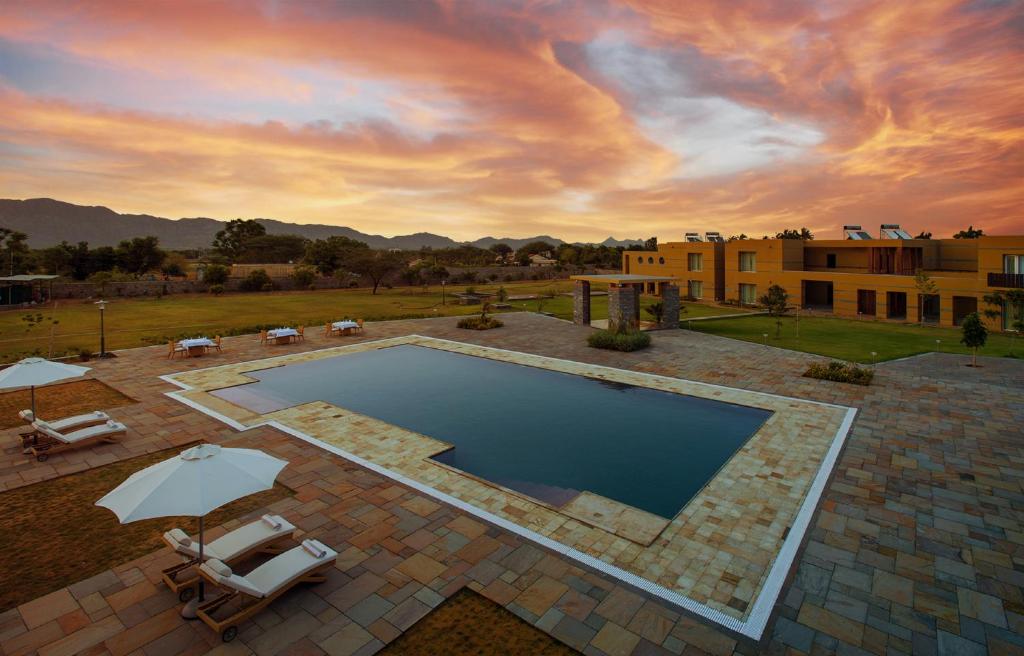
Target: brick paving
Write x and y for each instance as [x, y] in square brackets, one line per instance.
[916, 547]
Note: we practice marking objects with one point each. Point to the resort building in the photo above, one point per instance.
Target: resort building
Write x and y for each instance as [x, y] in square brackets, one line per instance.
[860, 276]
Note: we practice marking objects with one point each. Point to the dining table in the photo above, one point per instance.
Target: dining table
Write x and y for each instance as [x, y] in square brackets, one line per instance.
[282, 335]
[345, 326]
[196, 346]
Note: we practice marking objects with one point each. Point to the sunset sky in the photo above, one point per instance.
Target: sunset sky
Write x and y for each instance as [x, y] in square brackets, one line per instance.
[579, 119]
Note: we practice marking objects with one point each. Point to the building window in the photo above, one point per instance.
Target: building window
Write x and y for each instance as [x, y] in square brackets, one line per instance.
[1013, 264]
[639, 259]
[1011, 315]
[661, 260]
[830, 260]
[650, 260]
[695, 262]
[748, 293]
[748, 261]
[695, 289]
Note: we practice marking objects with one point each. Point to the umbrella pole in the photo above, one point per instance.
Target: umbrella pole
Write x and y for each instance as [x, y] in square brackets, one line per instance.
[32, 391]
[202, 541]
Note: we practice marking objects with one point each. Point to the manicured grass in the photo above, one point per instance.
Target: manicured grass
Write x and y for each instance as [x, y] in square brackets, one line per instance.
[850, 339]
[469, 624]
[58, 401]
[148, 321]
[52, 534]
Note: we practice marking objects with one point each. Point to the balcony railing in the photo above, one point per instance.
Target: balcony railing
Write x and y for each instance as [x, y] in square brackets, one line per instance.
[1014, 280]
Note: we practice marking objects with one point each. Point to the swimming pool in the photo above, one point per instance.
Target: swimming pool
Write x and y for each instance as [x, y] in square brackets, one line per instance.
[546, 434]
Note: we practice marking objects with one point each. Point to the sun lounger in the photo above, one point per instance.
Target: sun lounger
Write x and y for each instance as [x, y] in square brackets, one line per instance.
[53, 441]
[64, 425]
[265, 535]
[307, 563]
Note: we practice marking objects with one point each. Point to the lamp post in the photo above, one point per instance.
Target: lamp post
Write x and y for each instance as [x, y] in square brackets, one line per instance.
[443, 283]
[102, 305]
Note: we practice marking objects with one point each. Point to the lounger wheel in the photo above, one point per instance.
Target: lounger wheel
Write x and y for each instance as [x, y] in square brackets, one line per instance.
[42, 457]
[229, 634]
[186, 594]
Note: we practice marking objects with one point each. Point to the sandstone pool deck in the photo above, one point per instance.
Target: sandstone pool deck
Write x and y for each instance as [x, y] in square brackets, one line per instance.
[916, 546]
[714, 558]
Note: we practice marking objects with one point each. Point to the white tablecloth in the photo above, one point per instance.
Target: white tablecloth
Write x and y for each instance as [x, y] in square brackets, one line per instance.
[195, 342]
[342, 325]
[282, 332]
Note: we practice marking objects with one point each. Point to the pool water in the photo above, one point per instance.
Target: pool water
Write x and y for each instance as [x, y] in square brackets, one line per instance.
[544, 433]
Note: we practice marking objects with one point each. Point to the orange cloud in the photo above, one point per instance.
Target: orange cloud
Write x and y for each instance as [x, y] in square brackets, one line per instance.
[474, 118]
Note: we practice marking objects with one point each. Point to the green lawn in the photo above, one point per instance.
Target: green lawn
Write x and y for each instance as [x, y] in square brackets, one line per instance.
[147, 321]
[850, 339]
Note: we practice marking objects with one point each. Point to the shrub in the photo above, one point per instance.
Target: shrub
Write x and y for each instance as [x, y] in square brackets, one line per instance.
[84, 354]
[257, 280]
[216, 274]
[622, 341]
[267, 287]
[216, 290]
[841, 372]
[477, 322]
[303, 277]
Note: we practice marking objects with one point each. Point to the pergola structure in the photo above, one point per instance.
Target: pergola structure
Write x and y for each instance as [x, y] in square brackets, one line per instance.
[24, 289]
[624, 291]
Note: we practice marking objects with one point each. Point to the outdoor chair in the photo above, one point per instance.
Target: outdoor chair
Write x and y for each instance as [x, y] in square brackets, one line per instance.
[52, 441]
[216, 344]
[360, 325]
[67, 424]
[307, 563]
[265, 535]
[300, 333]
[174, 348]
[263, 337]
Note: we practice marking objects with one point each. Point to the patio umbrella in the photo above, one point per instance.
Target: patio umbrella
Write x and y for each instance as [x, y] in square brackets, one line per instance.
[193, 483]
[37, 371]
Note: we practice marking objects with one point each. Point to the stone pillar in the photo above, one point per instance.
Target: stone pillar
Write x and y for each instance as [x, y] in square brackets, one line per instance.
[623, 308]
[581, 303]
[670, 303]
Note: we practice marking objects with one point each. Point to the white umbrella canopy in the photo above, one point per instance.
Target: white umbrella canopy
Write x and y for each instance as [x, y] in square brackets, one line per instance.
[31, 372]
[193, 483]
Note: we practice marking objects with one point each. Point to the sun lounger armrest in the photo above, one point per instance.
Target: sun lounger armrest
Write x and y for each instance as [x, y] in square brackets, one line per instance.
[222, 575]
[27, 416]
[47, 430]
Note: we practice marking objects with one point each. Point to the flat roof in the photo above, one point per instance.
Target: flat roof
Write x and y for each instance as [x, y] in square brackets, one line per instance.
[620, 278]
[26, 278]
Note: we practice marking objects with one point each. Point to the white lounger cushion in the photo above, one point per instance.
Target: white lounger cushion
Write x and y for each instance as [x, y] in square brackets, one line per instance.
[274, 574]
[79, 435]
[233, 544]
[67, 422]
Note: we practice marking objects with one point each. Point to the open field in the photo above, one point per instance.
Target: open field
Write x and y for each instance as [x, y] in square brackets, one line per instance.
[852, 340]
[147, 321]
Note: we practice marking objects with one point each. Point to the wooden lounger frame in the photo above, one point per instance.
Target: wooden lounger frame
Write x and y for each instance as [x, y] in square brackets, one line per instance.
[227, 628]
[186, 588]
[32, 436]
[46, 445]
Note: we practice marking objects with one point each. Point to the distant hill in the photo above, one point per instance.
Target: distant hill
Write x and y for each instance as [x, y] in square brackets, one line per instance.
[47, 222]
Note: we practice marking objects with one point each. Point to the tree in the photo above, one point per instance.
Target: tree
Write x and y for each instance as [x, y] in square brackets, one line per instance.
[303, 277]
[923, 235]
[140, 254]
[738, 237]
[256, 281]
[1009, 303]
[272, 249]
[532, 248]
[651, 244]
[802, 233]
[925, 285]
[975, 334]
[216, 274]
[969, 233]
[501, 249]
[775, 302]
[15, 245]
[231, 241]
[174, 265]
[376, 265]
[328, 255]
[657, 311]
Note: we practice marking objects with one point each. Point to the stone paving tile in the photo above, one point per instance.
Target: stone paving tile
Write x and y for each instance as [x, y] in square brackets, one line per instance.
[936, 530]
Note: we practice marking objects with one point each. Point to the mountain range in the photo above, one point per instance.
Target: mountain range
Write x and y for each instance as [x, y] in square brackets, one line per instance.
[47, 222]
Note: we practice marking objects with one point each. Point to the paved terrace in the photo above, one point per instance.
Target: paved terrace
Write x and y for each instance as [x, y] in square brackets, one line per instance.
[916, 547]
